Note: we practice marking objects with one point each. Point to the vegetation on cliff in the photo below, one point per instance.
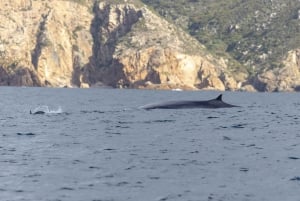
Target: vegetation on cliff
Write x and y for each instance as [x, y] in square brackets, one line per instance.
[258, 34]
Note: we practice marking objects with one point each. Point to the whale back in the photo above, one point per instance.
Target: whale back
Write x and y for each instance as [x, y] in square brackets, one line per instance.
[213, 104]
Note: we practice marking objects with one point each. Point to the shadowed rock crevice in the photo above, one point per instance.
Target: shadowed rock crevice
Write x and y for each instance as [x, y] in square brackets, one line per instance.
[4, 77]
[20, 77]
[41, 40]
[75, 80]
[25, 77]
[111, 22]
[108, 27]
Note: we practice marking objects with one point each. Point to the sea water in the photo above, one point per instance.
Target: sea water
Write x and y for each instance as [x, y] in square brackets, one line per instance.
[97, 145]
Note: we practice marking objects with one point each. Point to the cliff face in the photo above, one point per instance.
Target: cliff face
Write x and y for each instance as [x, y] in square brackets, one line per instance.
[43, 43]
[286, 78]
[46, 43]
[136, 48]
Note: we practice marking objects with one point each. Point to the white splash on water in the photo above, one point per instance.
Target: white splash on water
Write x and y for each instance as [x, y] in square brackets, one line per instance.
[45, 108]
[57, 111]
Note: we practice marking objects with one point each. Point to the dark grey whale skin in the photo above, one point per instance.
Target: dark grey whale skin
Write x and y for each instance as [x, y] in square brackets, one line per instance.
[210, 104]
[37, 112]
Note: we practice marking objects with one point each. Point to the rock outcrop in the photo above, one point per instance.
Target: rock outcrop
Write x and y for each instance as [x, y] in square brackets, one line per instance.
[286, 78]
[46, 39]
[143, 50]
[124, 44]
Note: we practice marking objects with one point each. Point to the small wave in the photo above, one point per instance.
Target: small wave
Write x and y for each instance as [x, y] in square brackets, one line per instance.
[159, 121]
[105, 111]
[212, 117]
[92, 111]
[238, 125]
[26, 134]
[67, 189]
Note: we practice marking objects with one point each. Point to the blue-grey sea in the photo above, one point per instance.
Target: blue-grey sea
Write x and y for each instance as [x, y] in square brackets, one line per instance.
[98, 145]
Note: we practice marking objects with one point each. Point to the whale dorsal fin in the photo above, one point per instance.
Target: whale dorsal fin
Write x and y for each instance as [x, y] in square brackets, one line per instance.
[219, 98]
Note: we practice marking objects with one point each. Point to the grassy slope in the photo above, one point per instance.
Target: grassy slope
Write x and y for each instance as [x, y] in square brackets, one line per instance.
[256, 33]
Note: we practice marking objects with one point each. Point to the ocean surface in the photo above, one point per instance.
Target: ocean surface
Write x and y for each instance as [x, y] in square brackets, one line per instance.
[97, 145]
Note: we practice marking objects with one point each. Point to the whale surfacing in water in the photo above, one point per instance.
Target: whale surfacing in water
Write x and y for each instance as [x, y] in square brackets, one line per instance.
[212, 104]
[37, 112]
[43, 109]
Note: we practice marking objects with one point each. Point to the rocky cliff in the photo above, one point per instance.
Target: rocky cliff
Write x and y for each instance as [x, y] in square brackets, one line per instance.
[124, 44]
[285, 78]
[143, 50]
[61, 43]
[43, 43]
